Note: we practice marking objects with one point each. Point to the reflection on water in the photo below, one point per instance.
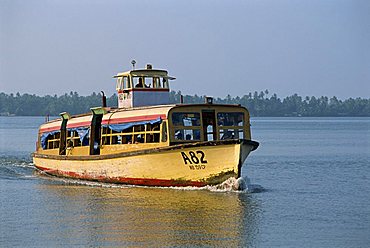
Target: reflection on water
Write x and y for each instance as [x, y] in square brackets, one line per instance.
[316, 172]
[134, 216]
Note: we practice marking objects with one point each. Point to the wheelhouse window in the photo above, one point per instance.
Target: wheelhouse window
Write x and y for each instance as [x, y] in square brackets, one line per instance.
[126, 82]
[140, 82]
[123, 83]
[150, 82]
[165, 83]
[187, 126]
[230, 125]
[157, 82]
[119, 85]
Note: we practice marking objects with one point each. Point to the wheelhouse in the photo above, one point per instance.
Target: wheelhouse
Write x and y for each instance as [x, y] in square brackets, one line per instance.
[144, 87]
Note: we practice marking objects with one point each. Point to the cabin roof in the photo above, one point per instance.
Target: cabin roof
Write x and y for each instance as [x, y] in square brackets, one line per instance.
[51, 125]
[114, 116]
[137, 114]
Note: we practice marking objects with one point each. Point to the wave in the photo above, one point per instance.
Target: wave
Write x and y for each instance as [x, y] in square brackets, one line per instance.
[14, 168]
[237, 185]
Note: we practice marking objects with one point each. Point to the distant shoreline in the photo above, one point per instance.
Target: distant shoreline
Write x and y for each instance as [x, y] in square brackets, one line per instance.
[259, 104]
[252, 117]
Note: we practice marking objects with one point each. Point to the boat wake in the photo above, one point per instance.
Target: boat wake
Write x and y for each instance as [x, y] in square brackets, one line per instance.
[238, 185]
[14, 168]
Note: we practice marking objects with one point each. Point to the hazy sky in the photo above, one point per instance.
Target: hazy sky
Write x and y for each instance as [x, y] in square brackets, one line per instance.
[312, 47]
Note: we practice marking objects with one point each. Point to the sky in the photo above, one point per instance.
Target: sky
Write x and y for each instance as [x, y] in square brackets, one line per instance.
[212, 47]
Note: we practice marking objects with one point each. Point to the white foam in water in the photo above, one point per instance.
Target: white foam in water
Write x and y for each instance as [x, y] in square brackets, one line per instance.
[238, 185]
[241, 184]
[232, 184]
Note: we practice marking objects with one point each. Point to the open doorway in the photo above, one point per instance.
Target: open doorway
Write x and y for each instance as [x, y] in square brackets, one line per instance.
[209, 125]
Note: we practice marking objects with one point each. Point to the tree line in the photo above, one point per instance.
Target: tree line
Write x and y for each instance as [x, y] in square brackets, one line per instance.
[258, 104]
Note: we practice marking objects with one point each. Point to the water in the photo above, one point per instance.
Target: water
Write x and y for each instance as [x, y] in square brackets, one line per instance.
[309, 187]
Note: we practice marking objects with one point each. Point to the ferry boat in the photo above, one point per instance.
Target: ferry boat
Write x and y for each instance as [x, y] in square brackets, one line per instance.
[147, 140]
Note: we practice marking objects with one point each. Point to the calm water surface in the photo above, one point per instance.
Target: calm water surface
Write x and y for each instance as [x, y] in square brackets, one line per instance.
[309, 187]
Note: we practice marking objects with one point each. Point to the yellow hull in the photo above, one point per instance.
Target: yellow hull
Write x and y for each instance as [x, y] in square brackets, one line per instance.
[197, 164]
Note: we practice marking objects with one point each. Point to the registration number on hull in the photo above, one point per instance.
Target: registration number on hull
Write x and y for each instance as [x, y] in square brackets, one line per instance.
[196, 160]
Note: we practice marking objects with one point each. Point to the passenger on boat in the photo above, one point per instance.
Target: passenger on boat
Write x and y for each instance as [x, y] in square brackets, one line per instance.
[178, 135]
[140, 84]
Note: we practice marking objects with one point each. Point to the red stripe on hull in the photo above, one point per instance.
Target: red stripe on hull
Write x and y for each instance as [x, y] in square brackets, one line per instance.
[123, 180]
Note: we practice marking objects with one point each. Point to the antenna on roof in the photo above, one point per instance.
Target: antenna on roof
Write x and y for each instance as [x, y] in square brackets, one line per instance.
[133, 62]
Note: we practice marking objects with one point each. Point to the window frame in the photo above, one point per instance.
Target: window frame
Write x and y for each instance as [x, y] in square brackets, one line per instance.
[235, 129]
[175, 128]
[143, 130]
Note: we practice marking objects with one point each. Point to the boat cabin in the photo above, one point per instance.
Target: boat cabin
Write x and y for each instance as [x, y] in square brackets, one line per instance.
[117, 131]
[143, 87]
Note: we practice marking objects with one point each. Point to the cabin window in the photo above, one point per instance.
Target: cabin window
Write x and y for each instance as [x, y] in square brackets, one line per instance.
[186, 126]
[106, 137]
[73, 139]
[186, 119]
[231, 134]
[164, 131]
[152, 133]
[53, 141]
[230, 125]
[50, 140]
[131, 133]
[187, 134]
[78, 136]
[230, 119]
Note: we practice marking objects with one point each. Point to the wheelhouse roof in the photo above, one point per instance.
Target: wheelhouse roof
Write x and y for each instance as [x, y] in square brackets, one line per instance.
[145, 73]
